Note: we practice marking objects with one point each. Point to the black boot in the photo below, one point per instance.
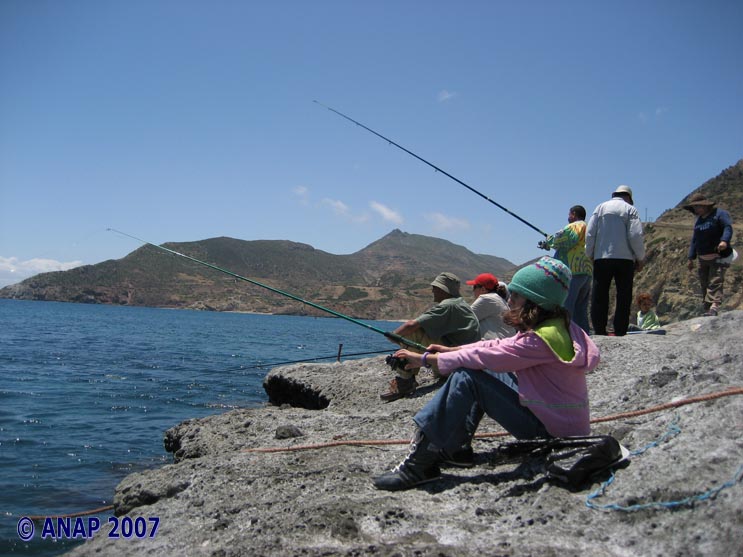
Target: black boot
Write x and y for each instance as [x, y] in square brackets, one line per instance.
[420, 466]
[462, 458]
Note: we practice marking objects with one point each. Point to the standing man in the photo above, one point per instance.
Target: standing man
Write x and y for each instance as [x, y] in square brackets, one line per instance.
[450, 322]
[570, 248]
[710, 243]
[614, 243]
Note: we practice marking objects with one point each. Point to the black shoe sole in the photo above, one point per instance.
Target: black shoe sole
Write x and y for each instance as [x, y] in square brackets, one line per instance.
[457, 464]
[403, 487]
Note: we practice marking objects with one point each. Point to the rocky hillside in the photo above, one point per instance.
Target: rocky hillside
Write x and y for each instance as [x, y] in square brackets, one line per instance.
[665, 276]
[389, 279]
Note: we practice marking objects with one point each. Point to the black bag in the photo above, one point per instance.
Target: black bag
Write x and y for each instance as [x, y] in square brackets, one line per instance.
[574, 460]
[571, 461]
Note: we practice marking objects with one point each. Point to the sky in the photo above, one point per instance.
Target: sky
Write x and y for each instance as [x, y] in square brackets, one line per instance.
[177, 121]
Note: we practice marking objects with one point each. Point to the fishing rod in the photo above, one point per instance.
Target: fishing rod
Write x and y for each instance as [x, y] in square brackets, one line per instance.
[392, 336]
[307, 360]
[409, 152]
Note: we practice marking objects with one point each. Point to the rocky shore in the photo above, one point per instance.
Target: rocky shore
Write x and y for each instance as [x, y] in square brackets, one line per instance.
[227, 493]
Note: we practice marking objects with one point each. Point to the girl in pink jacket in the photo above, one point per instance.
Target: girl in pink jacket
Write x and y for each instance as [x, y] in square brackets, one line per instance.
[533, 384]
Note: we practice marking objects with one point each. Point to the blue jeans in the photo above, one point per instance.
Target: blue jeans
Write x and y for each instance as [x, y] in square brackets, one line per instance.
[576, 303]
[449, 419]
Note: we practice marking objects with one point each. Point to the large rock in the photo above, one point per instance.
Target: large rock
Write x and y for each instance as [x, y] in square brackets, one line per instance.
[221, 497]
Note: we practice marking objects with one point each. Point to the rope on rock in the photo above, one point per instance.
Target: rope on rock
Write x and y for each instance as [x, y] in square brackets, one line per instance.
[72, 515]
[686, 501]
[672, 431]
[375, 442]
[380, 442]
[672, 404]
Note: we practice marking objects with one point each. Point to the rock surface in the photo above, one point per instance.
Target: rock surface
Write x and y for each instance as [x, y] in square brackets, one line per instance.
[221, 498]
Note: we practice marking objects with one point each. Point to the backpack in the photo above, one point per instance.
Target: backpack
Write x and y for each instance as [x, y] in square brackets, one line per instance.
[576, 460]
[570, 461]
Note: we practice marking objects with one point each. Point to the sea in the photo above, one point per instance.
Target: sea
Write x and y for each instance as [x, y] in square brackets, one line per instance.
[87, 391]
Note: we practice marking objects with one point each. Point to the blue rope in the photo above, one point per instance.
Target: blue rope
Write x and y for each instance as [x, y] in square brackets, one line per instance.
[672, 431]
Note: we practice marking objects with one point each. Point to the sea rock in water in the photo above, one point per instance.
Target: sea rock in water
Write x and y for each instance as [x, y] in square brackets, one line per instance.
[227, 494]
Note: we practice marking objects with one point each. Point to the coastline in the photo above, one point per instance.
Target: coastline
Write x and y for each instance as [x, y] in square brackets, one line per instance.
[223, 496]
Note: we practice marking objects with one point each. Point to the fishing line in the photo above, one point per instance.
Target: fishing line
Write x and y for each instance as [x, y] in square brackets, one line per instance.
[409, 152]
[274, 364]
[390, 335]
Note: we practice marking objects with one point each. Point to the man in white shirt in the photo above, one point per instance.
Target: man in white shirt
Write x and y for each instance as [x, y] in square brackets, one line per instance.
[614, 241]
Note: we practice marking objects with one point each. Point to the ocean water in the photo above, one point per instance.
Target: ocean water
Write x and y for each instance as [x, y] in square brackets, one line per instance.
[87, 391]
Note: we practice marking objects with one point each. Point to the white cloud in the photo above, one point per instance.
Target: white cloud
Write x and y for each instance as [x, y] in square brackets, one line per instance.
[12, 270]
[386, 213]
[342, 210]
[442, 222]
[657, 114]
[661, 110]
[338, 207]
[302, 193]
[445, 95]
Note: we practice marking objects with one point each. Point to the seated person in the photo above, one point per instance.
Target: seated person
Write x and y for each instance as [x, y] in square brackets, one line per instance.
[451, 322]
[549, 356]
[490, 305]
[646, 318]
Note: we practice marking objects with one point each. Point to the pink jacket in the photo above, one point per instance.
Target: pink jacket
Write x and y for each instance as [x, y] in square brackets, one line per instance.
[553, 389]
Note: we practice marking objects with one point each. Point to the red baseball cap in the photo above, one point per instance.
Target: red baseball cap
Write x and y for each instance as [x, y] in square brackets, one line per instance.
[485, 279]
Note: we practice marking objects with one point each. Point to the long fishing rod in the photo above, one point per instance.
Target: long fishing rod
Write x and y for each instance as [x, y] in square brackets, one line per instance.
[307, 360]
[409, 152]
[390, 335]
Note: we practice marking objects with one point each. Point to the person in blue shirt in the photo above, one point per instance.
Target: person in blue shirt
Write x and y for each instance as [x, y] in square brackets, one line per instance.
[710, 244]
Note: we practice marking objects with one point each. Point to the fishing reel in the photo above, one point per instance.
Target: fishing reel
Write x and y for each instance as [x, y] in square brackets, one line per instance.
[396, 363]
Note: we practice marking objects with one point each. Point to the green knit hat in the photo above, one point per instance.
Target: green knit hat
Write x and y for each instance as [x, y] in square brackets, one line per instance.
[545, 282]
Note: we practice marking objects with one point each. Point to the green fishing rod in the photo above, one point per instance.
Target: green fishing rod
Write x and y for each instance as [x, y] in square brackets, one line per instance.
[436, 168]
[389, 335]
[308, 360]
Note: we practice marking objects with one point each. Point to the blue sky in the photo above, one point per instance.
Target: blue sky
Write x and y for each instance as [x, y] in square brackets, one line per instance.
[186, 120]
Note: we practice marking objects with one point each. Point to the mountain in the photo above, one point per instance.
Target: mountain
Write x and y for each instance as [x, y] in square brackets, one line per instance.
[389, 279]
[665, 276]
